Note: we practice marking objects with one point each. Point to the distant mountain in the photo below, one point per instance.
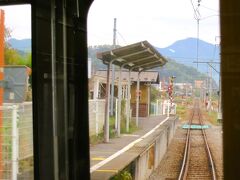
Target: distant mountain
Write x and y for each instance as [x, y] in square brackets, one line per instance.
[185, 52]
[21, 45]
[181, 52]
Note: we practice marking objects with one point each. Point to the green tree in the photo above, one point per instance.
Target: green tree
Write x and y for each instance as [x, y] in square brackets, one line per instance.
[155, 94]
[12, 56]
[26, 60]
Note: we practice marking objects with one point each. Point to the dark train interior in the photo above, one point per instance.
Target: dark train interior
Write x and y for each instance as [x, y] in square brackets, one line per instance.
[59, 63]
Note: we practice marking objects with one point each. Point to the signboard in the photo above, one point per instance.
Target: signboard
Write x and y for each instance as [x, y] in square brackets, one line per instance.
[138, 93]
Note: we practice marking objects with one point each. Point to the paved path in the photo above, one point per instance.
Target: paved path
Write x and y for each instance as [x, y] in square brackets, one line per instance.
[102, 154]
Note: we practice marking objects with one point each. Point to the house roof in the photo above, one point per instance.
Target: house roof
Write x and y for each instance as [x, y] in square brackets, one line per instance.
[140, 56]
[146, 76]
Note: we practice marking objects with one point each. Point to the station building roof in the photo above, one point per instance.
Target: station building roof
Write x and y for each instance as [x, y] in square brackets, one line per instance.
[146, 76]
[140, 56]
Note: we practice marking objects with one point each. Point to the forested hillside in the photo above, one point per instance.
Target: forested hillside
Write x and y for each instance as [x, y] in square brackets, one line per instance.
[16, 57]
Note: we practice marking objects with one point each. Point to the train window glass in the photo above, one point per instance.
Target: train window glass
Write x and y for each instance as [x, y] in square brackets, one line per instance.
[187, 34]
[16, 132]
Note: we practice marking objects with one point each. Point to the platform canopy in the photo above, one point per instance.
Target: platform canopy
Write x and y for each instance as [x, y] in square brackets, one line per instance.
[140, 56]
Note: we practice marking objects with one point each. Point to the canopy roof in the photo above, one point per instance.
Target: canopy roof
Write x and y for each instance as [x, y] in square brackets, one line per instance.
[146, 77]
[137, 57]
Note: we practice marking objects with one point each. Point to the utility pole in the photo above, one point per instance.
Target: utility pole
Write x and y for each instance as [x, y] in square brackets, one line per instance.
[114, 32]
[197, 17]
[210, 89]
[113, 67]
[197, 38]
[220, 99]
[210, 85]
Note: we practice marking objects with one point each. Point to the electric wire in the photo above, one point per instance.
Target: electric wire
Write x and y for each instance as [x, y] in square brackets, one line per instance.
[124, 40]
[209, 8]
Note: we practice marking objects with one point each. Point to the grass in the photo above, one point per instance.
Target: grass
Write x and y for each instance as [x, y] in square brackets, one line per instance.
[182, 107]
[112, 131]
[211, 116]
[96, 139]
[126, 174]
[181, 111]
[123, 175]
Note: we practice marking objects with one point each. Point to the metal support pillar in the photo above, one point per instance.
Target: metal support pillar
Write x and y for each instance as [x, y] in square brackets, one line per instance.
[230, 74]
[112, 89]
[106, 118]
[220, 100]
[116, 115]
[96, 89]
[128, 101]
[54, 86]
[137, 98]
[113, 67]
[149, 101]
[119, 101]
[60, 102]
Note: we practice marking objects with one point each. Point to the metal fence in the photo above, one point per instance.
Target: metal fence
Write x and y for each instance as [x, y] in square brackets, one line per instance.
[162, 108]
[16, 140]
[156, 108]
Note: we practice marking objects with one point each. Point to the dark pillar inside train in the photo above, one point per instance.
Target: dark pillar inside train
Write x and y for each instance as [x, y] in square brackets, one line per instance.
[230, 68]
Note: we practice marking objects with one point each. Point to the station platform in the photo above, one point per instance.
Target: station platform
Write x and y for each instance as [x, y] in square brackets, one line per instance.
[107, 159]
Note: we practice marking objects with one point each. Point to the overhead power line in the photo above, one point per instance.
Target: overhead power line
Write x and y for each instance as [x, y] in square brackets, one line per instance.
[209, 8]
[125, 42]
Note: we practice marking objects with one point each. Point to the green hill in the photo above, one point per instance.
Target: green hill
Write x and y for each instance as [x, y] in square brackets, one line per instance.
[182, 72]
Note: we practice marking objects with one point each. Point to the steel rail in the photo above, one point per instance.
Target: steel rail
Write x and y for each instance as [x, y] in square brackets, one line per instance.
[210, 158]
[185, 162]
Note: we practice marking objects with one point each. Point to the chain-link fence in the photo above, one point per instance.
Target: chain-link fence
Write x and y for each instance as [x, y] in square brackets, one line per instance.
[16, 140]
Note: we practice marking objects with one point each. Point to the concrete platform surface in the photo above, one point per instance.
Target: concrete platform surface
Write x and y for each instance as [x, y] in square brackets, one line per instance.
[106, 159]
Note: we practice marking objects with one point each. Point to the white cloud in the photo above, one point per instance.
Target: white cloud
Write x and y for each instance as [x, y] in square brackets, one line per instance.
[173, 51]
[18, 19]
[160, 22]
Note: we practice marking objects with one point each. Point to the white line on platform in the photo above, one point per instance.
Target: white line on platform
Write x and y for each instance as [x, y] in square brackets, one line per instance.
[131, 135]
[100, 164]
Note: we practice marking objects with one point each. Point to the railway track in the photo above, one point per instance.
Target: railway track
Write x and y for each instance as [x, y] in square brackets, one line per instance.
[197, 161]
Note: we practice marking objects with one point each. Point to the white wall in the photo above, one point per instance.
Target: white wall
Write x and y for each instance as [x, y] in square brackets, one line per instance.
[96, 116]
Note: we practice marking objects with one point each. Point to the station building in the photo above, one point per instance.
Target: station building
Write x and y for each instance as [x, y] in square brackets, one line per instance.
[98, 85]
